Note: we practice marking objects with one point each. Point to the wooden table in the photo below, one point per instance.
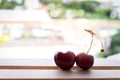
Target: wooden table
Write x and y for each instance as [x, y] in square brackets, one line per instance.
[45, 69]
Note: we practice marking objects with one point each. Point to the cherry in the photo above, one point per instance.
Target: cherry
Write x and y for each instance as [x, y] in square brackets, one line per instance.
[84, 60]
[64, 61]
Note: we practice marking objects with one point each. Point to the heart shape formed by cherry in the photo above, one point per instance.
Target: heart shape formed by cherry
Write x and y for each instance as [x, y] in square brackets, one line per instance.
[65, 61]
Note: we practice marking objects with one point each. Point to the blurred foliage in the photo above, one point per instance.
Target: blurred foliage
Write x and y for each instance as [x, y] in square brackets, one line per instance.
[49, 1]
[115, 45]
[5, 4]
[105, 11]
[5, 38]
[82, 9]
[26, 35]
[56, 10]
[89, 6]
[101, 55]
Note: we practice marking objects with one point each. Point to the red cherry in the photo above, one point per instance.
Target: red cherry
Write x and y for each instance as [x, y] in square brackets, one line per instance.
[84, 61]
[65, 61]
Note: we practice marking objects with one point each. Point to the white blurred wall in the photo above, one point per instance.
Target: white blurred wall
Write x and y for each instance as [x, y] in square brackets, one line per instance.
[24, 15]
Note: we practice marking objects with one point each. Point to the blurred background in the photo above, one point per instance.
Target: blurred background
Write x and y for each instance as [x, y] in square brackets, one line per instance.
[40, 28]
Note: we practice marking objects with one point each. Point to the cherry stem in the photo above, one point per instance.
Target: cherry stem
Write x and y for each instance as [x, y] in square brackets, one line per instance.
[92, 33]
[90, 44]
[102, 50]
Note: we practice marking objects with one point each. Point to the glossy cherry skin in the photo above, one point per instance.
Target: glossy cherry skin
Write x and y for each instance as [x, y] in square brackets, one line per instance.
[84, 61]
[64, 61]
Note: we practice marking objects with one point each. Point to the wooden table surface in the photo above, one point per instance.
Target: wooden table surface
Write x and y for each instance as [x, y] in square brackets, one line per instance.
[45, 69]
[60, 75]
[49, 64]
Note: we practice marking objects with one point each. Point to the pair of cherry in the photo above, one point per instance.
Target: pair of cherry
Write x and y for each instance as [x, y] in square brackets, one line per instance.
[66, 61]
